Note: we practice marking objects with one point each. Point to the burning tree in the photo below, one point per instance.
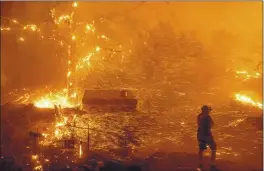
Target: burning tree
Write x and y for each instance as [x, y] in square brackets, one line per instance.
[83, 48]
[162, 63]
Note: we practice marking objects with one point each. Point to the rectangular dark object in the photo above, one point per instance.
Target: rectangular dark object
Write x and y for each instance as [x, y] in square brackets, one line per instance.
[109, 100]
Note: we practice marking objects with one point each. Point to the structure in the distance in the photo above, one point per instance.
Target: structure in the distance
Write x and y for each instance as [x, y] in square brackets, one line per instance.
[109, 100]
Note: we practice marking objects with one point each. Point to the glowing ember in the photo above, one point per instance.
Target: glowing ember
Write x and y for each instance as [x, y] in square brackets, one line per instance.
[73, 37]
[246, 75]
[38, 168]
[57, 133]
[75, 4]
[241, 72]
[80, 151]
[34, 157]
[69, 74]
[21, 39]
[97, 49]
[247, 100]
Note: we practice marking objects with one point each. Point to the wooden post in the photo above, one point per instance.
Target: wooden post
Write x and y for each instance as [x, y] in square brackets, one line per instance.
[88, 136]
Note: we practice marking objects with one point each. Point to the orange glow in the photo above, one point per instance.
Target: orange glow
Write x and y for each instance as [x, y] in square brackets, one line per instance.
[51, 99]
[247, 100]
[133, 45]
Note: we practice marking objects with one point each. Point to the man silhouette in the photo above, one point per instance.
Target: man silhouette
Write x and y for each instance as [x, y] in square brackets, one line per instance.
[205, 137]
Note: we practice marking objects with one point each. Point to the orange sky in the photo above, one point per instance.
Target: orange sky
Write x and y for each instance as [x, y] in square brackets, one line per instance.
[239, 17]
[243, 19]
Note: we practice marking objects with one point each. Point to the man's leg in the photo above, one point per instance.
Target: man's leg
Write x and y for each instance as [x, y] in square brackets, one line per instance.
[202, 147]
[213, 147]
[201, 158]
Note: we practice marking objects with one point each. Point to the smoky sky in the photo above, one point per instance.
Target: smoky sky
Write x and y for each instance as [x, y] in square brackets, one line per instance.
[35, 63]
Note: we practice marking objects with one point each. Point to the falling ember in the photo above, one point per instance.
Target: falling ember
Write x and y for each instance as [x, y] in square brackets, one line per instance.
[88, 27]
[33, 28]
[56, 133]
[73, 95]
[80, 151]
[14, 21]
[44, 135]
[34, 157]
[97, 49]
[7, 29]
[247, 100]
[258, 74]
[62, 18]
[75, 4]
[241, 72]
[21, 39]
[38, 168]
[73, 37]
[248, 75]
[103, 37]
[69, 74]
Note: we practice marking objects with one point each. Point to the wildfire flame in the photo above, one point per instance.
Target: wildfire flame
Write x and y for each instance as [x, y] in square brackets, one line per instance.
[51, 99]
[247, 100]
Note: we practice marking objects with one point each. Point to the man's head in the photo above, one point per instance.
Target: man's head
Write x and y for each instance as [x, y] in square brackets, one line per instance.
[206, 109]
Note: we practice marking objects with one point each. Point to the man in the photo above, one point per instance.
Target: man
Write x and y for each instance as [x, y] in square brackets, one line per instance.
[205, 137]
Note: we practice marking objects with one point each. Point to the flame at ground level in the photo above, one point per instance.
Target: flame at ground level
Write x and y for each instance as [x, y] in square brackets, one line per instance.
[49, 100]
[247, 100]
[46, 98]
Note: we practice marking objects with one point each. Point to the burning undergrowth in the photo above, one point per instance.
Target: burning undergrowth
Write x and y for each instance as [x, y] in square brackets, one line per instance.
[174, 131]
[175, 74]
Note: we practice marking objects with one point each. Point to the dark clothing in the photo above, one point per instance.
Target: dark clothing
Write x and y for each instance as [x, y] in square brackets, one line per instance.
[204, 134]
[207, 141]
[205, 123]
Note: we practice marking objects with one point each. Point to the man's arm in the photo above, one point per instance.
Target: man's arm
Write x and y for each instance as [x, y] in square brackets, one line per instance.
[198, 120]
[211, 122]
